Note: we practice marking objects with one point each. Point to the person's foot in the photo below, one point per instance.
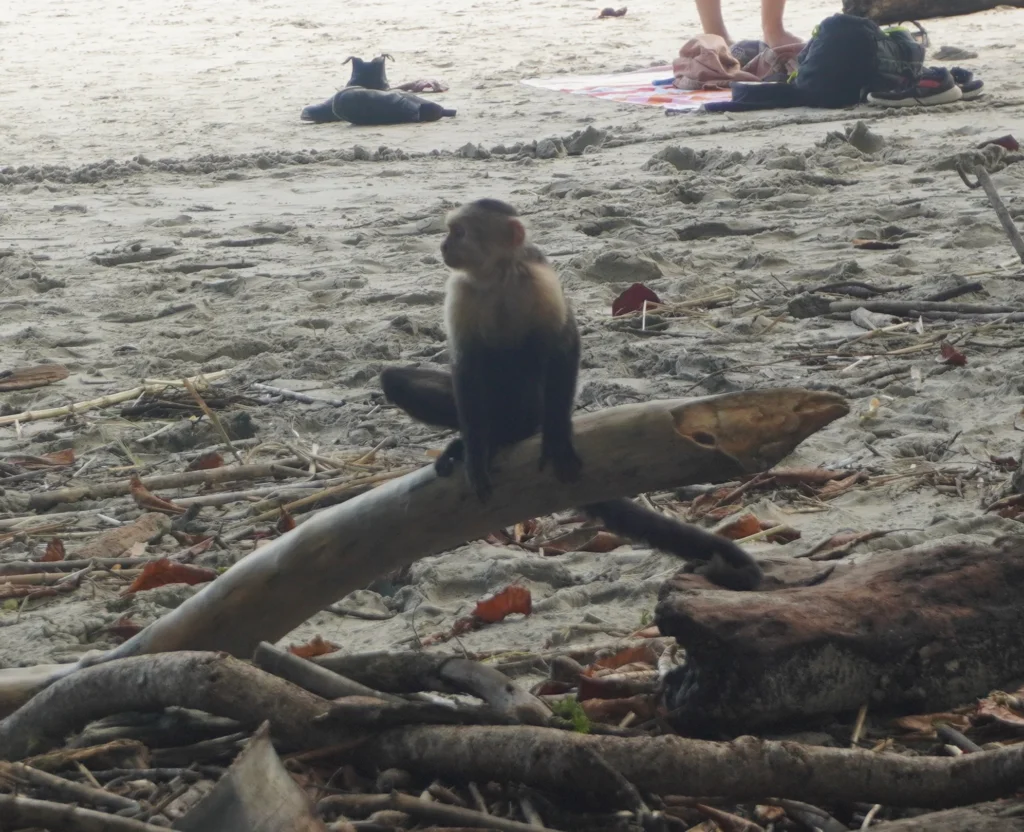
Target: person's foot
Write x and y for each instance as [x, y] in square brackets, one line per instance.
[781, 38]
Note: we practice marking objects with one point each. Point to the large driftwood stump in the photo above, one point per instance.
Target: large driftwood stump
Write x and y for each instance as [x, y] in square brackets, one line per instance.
[884, 12]
[626, 450]
[922, 629]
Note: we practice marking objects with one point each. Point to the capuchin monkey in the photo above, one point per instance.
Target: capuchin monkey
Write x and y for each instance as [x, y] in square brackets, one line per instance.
[515, 352]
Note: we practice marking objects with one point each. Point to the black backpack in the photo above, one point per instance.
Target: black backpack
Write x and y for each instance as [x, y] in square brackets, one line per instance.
[848, 57]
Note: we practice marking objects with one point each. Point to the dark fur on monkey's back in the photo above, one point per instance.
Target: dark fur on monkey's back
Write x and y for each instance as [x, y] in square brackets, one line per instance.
[516, 376]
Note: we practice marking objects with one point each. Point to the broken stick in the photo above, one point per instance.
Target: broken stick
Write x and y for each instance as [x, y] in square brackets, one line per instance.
[985, 181]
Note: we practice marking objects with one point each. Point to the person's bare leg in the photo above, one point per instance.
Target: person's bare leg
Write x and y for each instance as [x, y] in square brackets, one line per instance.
[774, 32]
[710, 13]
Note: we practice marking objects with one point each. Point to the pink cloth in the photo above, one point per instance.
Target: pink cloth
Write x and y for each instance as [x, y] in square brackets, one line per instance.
[424, 85]
[705, 63]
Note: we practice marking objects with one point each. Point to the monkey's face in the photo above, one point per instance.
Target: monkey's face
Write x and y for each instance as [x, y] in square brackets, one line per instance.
[460, 249]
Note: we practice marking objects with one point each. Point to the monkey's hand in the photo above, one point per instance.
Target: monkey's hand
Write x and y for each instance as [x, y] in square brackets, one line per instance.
[564, 460]
[444, 465]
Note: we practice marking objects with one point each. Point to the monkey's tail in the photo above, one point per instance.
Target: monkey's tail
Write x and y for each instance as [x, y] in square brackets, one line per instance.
[728, 565]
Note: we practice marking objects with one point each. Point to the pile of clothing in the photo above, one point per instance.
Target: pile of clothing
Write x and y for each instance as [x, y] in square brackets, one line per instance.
[847, 60]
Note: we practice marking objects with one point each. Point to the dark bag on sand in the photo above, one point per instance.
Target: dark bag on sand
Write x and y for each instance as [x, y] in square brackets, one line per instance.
[373, 107]
[848, 57]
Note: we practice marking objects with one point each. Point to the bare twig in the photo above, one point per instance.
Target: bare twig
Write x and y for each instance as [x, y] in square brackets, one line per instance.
[424, 809]
[22, 812]
[207, 476]
[298, 397]
[68, 788]
[148, 386]
[214, 419]
[313, 677]
[985, 181]
[947, 733]
[956, 291]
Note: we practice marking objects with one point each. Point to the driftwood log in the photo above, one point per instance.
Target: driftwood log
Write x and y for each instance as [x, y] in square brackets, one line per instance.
[884, 12]
[998, 816]
[626, 450]
[921, 629]
[595, 769]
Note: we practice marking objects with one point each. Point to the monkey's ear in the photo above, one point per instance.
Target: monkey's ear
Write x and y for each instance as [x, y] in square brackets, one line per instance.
[516, 231]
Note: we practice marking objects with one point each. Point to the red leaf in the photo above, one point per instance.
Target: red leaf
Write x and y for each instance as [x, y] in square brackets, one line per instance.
[316, 646]
[509, 600]
[54, 551]
[57, 459]
[208, 460]
[951, 355]
[641, 653]
[285, 523]
[144, 498]
[743, 526]
[162, 572]
[197, 548]
[1004, 463]
[632, 300]
[614, 710]
[124, 627]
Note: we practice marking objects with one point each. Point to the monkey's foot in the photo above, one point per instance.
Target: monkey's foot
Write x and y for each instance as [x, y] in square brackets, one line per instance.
[567, 465]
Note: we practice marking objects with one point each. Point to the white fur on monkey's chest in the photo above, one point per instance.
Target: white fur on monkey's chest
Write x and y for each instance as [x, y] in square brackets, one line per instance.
[503, 310]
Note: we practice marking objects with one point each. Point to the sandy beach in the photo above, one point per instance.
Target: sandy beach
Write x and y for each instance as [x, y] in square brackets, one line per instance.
[178, 125]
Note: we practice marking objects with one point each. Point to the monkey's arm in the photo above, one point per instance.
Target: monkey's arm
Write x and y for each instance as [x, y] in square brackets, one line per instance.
[561, 368]
[469, 375]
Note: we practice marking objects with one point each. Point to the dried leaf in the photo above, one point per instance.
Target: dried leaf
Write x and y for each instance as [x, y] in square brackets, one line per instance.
[615, 710]
[782, 534]
[1001, 707]
[511, 599]
[1007, 141]
[632, 300]
[285, 523]
[124, 628]
[25, 378]
[146, 499]
[551, 687]
[206, 461]
[61, 458]
[54, 551]
[743, 526]
[197, 548]
[805, 476]
[57, 459]
[1004, 463]
[594, 687]
[922, 726]
[951, 355]
[583, 540]
[643, 653]
[164, 571]
[316, 646]
[841, 486]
